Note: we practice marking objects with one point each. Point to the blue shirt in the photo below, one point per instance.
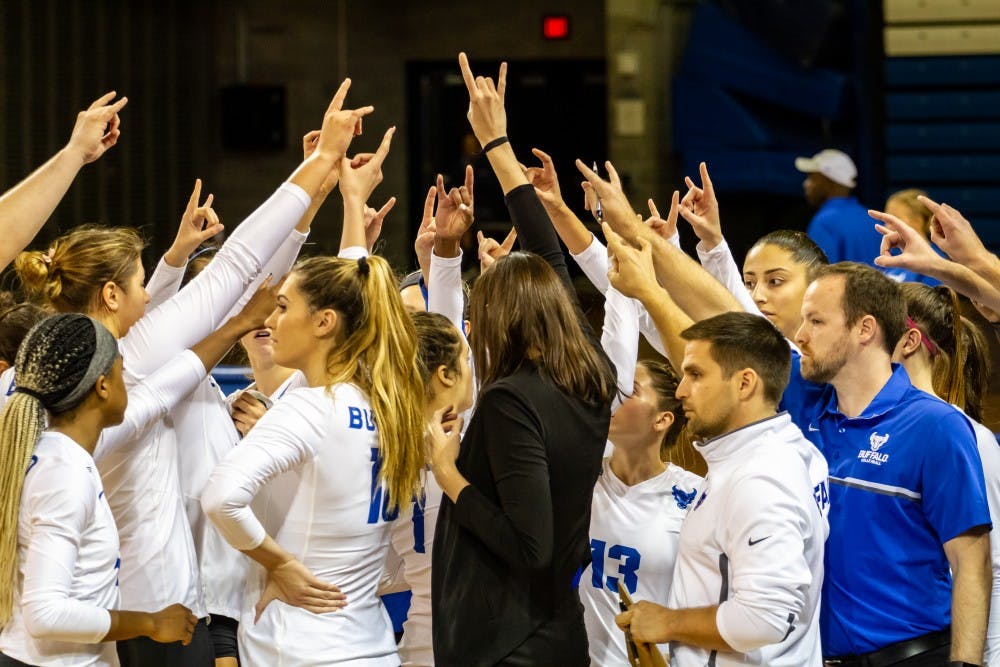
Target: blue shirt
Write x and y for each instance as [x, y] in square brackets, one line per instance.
[905, 477]
[845, 231]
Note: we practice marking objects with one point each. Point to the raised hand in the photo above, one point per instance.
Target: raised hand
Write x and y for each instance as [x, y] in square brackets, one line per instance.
[490, 251]
[97, 128]
[309, 143]
[292, 583]
[486, 114]
[373, 222]
[455, 208]
[951, 232]
[615, 205]
[915, 253]
[544, 179]
[423, 245]
[701, 209]
[198, 224]
[666, 229]
[173, 624]
[360, 175]
[630, 270]
[340, 126]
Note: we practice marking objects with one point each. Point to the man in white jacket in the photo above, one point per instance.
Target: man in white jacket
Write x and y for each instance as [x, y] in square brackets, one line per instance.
[746, 586]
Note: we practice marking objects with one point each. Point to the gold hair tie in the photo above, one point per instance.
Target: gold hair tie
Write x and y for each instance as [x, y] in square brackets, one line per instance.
[47, 255]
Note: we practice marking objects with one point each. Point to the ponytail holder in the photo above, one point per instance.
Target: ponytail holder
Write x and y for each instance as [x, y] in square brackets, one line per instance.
[47, 255]
[363, 267]
[29, 392]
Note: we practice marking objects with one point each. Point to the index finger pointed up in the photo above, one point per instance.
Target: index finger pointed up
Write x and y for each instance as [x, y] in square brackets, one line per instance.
[706, 181]
[615, 242]
[502, 81]
[591, 176]
[113, 109]
[470, 178]
[102, 100]
[508, 242]
[195, 196]
[652, 208]
[675, 207]
[337, 103]
[463, 64]
[383, 148]
[613, 174]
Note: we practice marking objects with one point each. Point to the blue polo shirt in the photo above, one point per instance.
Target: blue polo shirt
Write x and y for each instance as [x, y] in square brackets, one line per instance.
[801, 396]
[905, 477]
[845, 231]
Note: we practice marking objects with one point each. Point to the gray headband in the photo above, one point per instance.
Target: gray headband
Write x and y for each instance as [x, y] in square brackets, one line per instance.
[105, 353]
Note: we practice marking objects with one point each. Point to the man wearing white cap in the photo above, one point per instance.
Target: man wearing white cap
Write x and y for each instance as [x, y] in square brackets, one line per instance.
[841, 226]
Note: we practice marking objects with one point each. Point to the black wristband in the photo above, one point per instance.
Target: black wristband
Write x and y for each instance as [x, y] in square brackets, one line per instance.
[499, 141]
[959, 663]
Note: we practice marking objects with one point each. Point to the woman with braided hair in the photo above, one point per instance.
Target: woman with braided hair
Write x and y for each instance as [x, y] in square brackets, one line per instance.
[58, 541]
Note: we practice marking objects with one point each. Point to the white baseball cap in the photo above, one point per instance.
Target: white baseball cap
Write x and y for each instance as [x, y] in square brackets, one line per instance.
[835, 165]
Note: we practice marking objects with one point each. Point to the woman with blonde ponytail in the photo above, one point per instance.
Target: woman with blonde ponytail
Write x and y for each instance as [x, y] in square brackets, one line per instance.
[99, 272]
[946, 355]
[355, 438]
[58, 542]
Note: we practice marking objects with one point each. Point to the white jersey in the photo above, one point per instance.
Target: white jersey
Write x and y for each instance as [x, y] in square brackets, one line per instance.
[271, 504]
[633, 541]
[989, 453]
[337, 526]
[752, 543]
[67, 551]
[412, 540]
[205, 435]
[159, 563]
[593, 261]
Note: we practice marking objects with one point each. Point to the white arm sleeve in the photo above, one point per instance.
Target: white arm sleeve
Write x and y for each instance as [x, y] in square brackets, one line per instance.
[164, 283]
[771, 577]
[60, 508]
[285, 437]
[199, 308]
[620, 339]
[277, 267]
[444, 289]
[593, 261]
[720, 264]
[151, 399]
[353, 252]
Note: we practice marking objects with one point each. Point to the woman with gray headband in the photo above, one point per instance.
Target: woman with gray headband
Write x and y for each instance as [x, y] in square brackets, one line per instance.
[58, 541]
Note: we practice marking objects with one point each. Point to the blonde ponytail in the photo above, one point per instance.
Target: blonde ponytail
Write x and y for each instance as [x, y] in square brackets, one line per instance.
[378, 353]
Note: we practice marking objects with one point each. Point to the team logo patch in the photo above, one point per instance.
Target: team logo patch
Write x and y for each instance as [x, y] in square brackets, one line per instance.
[876, 441]
[684, 499]
[872, 454]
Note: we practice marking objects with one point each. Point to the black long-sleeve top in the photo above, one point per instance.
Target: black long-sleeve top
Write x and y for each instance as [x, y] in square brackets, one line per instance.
[505, 554]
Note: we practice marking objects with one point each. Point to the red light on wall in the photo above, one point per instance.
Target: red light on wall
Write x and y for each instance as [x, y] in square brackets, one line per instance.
[555, 26]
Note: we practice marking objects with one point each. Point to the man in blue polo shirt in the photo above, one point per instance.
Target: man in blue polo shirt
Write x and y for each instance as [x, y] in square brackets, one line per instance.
[841, 226]
[907, 496]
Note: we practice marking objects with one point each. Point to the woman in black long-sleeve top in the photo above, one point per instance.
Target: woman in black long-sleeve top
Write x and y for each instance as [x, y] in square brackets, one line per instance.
[512, 529]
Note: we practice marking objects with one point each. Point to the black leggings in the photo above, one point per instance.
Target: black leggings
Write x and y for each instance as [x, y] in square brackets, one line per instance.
[144, 652]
